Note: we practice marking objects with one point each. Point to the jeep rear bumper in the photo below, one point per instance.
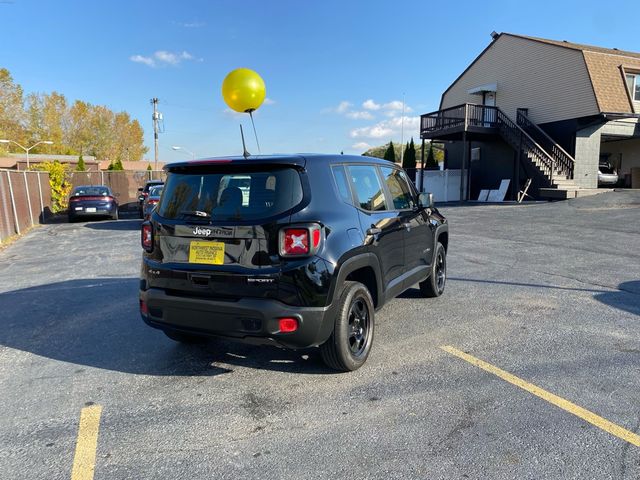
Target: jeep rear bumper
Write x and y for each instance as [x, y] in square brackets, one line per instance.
[252, 320]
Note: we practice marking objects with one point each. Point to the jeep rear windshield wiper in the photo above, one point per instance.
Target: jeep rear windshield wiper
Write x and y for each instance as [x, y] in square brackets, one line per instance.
[195, 213]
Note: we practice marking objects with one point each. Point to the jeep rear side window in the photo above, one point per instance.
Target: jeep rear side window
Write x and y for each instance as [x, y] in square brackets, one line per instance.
[246, 195]
[398, 187]
[340, 177]
[368, 188]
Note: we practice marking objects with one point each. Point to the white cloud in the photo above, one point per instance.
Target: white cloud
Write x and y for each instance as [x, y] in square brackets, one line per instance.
[393, 105]
[364, 115]
[388, 128]
[364, 146]
[190, 24]
[163, 58]
[141, 59]
[343, 107]
[371, 105]
[268, 101]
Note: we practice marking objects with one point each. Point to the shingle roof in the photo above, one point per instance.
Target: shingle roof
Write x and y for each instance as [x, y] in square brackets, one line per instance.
[605, 69]
[580, 46]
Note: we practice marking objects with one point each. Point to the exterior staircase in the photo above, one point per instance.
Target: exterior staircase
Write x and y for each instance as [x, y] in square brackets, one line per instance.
[549, 158]
[531, 142]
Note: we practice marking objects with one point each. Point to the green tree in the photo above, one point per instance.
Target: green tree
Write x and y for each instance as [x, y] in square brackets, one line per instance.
[390, 153]
[12, 114]
[431, 163]
[81, 167]
[116, 166]
[409, 157]
[77, 129]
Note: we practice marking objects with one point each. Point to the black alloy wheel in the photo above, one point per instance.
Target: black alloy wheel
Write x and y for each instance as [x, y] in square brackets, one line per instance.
[435, 284]
[350, 342]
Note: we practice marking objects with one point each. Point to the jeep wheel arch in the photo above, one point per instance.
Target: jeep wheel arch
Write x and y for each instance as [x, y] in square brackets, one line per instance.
[363, 268]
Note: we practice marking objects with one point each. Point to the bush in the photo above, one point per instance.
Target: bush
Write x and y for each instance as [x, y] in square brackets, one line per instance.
[116, 166]
[59, 182]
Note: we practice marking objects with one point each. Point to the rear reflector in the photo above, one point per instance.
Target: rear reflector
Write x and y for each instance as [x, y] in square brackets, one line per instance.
[144, 310]
[288, 325]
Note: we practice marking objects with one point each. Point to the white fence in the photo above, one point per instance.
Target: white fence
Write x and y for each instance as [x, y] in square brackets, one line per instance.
[444, 184]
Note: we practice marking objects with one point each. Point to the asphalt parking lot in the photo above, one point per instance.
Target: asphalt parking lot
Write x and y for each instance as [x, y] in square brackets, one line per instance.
[549, 293]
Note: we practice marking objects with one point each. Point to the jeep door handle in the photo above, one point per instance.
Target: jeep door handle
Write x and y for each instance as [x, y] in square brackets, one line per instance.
[374, 231]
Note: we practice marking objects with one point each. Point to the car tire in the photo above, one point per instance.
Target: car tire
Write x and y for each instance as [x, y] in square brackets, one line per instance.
[184, 337]
[350, 342]
[434, 285]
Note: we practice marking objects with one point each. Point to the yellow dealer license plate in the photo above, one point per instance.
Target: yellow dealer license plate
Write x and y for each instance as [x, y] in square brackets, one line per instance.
[211, 253]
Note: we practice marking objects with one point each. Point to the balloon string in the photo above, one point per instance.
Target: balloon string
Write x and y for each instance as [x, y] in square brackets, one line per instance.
[255, 133]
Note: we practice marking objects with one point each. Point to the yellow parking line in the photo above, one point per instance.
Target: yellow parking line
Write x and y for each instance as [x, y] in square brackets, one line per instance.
[570, 407]
[85, 458]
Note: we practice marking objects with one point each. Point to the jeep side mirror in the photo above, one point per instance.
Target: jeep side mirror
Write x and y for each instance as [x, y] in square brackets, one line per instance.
[426, 200]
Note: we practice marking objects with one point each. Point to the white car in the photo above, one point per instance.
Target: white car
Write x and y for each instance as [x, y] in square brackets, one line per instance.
[607, 175]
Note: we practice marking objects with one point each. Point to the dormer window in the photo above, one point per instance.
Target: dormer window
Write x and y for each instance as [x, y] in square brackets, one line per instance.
[633, 82]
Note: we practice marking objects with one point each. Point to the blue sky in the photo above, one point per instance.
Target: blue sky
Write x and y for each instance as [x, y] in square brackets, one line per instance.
[335, 71]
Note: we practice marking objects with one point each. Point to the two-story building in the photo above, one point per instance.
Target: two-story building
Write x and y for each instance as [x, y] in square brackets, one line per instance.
[545, 110]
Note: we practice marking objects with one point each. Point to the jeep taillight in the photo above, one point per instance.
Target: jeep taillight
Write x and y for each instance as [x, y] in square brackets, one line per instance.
[147, 237]
[300, 241]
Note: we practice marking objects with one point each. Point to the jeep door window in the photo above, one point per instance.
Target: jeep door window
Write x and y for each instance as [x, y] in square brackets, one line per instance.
[229, 195]
[340, 177]
[398, 188]
[367, 187]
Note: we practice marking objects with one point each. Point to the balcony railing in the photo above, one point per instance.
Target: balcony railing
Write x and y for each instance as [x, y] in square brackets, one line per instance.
[542, 150]
[459, 117]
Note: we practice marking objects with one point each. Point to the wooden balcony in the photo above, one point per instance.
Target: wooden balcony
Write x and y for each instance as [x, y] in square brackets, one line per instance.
[451, 123]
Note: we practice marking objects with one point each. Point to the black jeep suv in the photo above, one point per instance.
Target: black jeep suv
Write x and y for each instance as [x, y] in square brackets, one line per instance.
[295, 251]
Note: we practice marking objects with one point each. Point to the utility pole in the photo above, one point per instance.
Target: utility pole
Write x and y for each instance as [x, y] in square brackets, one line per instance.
[156, 116]
[402, 133]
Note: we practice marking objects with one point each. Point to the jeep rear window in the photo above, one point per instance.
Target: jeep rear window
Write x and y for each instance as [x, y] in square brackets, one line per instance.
[230, 195]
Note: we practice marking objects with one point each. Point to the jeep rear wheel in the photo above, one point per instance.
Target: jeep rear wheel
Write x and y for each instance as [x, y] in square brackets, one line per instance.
[350, 343]
[434, 285]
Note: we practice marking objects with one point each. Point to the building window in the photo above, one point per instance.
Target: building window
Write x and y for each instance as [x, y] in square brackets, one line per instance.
[633, 82]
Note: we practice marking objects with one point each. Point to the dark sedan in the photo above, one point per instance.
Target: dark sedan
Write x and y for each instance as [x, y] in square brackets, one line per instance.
[92, 201]
[151, 200]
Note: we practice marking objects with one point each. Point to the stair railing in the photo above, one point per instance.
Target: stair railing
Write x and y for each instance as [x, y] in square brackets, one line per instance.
[520, 139]
[564, 162]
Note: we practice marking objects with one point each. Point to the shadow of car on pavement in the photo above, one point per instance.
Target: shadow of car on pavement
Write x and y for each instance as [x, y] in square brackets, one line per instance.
[96, 323]
[122, 225]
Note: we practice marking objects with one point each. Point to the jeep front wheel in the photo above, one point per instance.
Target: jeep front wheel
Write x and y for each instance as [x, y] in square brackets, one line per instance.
[350, 343]
[434, 285]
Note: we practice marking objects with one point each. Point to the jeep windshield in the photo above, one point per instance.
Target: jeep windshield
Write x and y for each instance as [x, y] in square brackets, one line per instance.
[230, 195]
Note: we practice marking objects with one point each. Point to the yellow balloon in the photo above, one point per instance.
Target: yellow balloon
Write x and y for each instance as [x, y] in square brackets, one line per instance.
[243, 90]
